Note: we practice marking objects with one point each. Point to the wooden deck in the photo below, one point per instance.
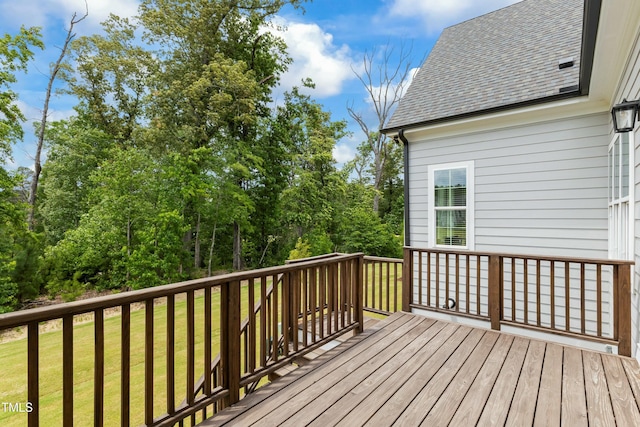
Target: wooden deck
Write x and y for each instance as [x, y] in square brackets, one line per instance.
[410, 370]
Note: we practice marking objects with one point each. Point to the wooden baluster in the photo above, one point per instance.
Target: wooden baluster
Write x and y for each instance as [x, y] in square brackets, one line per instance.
[67, 370]
[446, 282]
[599, 298]
[294, 307]
[478, 282]
[98, 369]
[366, 283]
[336, 293]
[538, 293]
[276, 319]
[263, 321]
[305, 307]
[148, 362]
[525, 266]
[373, 285]
[286, 312]
[191, 342]
[125, 365]
[395, 289]
[33, 374]
[552, 285]
[313, 303]
[513, 289]
[171, 356]
[207, 342]
[457, 283]
[468, 284]
[388, 284]
[582, 301]
[567, 296]
[251, 331]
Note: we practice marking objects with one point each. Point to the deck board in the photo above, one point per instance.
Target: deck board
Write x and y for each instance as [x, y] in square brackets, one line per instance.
[411, 370]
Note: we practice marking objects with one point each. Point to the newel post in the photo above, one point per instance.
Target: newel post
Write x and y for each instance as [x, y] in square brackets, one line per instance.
[407, 279]
[230, 340]
[622, 278]
[495, 291]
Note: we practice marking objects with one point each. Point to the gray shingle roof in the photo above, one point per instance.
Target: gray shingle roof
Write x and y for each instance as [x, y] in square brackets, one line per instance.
[502, 58]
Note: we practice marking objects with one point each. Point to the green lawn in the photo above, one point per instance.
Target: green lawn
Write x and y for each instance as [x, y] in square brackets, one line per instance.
[14, 363]
[13, 359]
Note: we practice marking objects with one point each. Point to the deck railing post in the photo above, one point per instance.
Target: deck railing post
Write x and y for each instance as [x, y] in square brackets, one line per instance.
[495, 290]
[358, 291]
[230, 340]
[407, 279]
[623, 307]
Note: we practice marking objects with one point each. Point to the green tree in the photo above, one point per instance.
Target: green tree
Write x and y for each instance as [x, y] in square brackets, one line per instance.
[75, 150]
[15, 54]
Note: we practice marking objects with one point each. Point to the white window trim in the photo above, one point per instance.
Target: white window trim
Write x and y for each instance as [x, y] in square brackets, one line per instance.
[470, 166]
[630, 199]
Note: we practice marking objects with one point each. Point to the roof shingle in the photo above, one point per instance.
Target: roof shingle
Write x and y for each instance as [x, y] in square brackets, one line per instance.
[502, 58]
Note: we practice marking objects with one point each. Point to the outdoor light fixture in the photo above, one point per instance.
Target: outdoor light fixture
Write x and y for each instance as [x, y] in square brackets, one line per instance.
[624, 115]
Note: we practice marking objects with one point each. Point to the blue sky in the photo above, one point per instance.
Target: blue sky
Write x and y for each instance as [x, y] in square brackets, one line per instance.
[326, 43]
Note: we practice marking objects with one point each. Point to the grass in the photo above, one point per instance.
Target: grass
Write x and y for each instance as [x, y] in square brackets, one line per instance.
[14, 361]
[13, 357]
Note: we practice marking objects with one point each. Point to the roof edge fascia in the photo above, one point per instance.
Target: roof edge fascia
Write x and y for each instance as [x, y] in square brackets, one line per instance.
[502, 108]
[527, 115]
[591, 22]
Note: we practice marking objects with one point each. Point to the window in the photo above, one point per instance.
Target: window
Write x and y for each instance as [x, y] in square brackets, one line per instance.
[619, 200]
[451, 205]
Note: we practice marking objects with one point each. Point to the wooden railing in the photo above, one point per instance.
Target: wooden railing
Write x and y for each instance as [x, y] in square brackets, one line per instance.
[577, 297]
[323, 297]
[382, 284]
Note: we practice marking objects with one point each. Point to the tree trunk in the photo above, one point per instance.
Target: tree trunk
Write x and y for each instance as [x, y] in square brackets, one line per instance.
[196, 255]
[213, 243]
[238, 263]
[37, 167]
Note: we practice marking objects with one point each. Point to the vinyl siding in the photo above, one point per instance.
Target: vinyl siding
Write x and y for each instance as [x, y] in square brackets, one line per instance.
[539, 189]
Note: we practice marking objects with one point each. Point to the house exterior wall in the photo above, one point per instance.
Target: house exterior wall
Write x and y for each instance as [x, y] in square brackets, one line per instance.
[629, 88]
[539, 188]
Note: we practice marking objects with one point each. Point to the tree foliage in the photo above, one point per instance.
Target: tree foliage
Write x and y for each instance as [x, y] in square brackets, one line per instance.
[178, 164]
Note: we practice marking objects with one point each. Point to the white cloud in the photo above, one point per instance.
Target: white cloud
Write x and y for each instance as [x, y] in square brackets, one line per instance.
[343, 153]
[440, 14]
[315, 56]
[54, 12]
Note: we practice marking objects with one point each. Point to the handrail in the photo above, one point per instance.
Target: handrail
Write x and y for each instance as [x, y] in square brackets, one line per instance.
[43, 314]
[325, 292]
[539, 292]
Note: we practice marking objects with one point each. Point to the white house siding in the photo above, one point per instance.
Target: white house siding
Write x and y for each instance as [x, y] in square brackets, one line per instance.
[540, 189]
[629, 88]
